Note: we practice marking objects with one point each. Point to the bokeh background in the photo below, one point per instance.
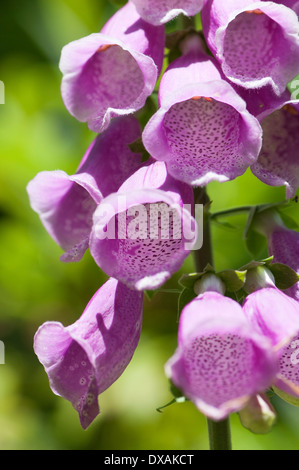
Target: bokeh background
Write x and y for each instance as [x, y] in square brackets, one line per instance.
[37, 133]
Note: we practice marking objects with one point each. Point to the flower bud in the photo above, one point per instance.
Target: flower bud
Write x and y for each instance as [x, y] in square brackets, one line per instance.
[258, 416]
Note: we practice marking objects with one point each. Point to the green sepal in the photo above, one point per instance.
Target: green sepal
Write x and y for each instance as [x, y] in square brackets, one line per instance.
[286, 397]
[178, 397]
[188, 280]
[255, 264]
[150, 294]
[186, 296]
[285, 277]
[233, 280]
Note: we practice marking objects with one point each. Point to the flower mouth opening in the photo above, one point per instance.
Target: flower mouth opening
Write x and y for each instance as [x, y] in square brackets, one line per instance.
[198, 131]
[101, 84]
[245, 59]
[219, 362]
[153, 238]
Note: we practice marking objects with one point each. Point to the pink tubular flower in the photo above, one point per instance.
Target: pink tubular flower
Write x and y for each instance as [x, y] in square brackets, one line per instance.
[84, 359]
[113, 72]
[202, 130]
[220, 362]
[278, 163]
[276, 316]
[158, 12]
[273, 314]
[66, 203]
[256, 43]
[142, 234]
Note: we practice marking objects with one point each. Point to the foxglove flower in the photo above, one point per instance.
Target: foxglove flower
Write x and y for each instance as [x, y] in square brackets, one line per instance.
[273, 313]
[276, 315]
[113, 72]
[66, 203]
[220, 361]
[287, 383]
[142, 234]
[278, 163]
[256, 43]
[84, 359]
[202, 129]
[161, 11]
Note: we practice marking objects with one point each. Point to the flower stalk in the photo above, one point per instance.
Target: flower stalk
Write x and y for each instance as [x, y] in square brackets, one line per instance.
[219, 431]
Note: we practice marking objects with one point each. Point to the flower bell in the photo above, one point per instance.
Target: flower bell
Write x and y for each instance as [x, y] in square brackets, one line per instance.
[66, 203]
[256, 43]
[158, 12]
[142, 234]
[277, 164]
[276, 316]
[112, 73]
[202, 129]
[84, 359]
[220, 361]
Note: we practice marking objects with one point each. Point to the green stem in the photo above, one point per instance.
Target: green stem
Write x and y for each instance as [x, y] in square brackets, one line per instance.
[203, 256]
[234, 210]
[219, 432]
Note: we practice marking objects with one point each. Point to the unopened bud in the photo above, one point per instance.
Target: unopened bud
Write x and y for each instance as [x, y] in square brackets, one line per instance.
[258, 416]
[258, 278]
[209, 282]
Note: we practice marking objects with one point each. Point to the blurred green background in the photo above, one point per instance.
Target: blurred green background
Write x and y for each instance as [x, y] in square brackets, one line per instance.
[37, 133]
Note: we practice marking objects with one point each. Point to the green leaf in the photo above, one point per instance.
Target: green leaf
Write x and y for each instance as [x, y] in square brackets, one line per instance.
[176, 392]
[233, 280]
[151, 293]
[255, 243]
[248, 226]
[285, 277]
[255, 264]
[186, 296]
[225, 225]
[188, 280]
[178, 397]
[288, 221]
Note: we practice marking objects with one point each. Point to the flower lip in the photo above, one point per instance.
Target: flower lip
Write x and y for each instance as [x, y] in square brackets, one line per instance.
[94, 89]
[163, 11]
[84, 359]
[137, 258]
[220, 361]
[272, 59]
[178, 128]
